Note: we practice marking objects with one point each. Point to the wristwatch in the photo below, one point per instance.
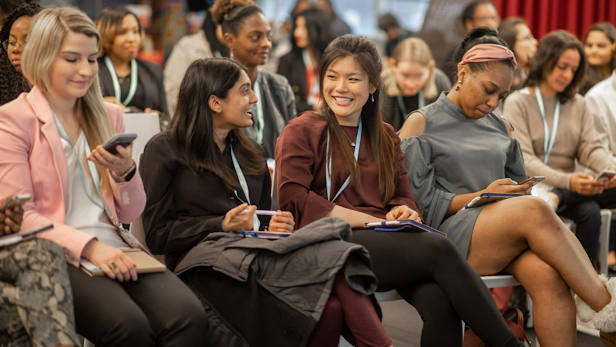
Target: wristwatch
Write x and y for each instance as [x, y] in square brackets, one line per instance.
[129, 174]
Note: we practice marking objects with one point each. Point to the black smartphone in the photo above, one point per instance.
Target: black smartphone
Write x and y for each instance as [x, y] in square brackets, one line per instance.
[15, 201]
[123, 140]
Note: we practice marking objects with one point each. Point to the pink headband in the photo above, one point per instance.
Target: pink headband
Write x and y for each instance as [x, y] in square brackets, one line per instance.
[488, 52]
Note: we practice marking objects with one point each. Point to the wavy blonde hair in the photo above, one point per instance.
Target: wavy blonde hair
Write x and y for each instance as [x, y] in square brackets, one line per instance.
[47, 32]
[416, 51]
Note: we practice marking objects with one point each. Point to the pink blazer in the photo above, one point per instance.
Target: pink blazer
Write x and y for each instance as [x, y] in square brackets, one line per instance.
[32, 162]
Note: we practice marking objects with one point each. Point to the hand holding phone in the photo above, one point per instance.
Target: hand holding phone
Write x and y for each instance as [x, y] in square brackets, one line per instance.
[605, 176]
[11, 213]
[533, 180]
[123, 140]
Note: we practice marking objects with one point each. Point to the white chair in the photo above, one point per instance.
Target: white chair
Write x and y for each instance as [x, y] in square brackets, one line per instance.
[604, 237]
[145, 125]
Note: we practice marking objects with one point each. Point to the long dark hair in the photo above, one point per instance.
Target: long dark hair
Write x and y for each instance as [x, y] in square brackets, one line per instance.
[192, 125]
[478, 36]
[595, 73]
[12, 82]
[319, 31]
[380, 143]
[550, 49]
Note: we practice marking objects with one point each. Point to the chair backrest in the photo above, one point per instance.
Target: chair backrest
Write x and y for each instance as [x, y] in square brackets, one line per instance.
[145, 125]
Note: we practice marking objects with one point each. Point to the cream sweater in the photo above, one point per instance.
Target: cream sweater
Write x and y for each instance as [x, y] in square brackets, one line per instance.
[576, 137]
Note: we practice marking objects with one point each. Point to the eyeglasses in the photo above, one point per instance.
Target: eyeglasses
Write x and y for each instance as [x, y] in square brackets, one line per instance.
[10, 45]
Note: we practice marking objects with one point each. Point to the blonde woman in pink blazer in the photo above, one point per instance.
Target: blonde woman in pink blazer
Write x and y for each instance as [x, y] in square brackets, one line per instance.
[50, 148]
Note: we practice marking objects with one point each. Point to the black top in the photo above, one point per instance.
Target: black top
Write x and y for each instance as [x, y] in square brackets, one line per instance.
[150, 89]
[291, 66]
[184, 206]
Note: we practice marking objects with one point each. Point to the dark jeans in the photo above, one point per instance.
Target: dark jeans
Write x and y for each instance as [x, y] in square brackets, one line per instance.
[585, 212]
[429, 273]
[156, 310]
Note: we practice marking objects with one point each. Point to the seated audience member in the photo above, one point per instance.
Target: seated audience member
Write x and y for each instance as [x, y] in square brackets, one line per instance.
[347, 137]
[338, 26]
[457, 150]
[28, 270]
[516, 33]
[126, 80]
[394, 31]
[50, 140]
[550, 104]
[204, 180]
[311, 34]
[13, 37]
[205, 43]
[475, 14]
[600, 48]
[247, 33]
[412, 82]
[601, 103]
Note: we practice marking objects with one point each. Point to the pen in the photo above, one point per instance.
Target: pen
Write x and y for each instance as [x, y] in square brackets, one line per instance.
[263, 212]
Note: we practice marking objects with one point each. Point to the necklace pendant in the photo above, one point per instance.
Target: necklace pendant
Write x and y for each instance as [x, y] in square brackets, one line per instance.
[353, 144]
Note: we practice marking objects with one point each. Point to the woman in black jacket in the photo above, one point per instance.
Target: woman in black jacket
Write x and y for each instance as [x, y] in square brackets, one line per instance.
[310, 35]
[126, 80]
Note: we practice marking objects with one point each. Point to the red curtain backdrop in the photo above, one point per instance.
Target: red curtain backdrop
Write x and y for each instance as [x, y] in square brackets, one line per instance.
[544, 16]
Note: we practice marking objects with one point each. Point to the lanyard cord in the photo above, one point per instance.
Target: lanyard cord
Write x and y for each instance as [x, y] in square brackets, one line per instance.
[240, 176]
[548, 142]
[259, 124]
[328, 166]
[92, 169]
[421, 102]
[116, 84]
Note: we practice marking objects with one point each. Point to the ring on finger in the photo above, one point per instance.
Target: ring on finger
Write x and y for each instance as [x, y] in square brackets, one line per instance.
[116, 161]
[113, 265]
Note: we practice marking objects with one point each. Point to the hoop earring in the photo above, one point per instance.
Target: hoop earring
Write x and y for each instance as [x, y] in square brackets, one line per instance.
[372, 96]
[458, 86]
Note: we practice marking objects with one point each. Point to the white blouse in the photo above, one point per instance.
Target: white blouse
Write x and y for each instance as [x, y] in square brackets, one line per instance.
[84, 210]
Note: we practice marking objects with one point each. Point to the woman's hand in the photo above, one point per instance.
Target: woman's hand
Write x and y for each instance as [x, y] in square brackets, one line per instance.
[403, 212]
[507, 186]
[118, 164]
[236, 219]
[114, 263]
[149, 110]
[10, 219]
[584, 184]
[113, 100]
[282, 222]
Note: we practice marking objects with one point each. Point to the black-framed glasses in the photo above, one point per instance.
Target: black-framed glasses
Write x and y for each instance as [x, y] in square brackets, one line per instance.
[10, 45]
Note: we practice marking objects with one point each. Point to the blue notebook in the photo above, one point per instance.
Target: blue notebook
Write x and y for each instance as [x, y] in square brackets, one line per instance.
[272, 235]
[490, 197]
[402, 225]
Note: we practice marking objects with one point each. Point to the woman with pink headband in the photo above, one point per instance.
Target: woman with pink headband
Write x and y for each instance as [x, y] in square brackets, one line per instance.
[455, 150]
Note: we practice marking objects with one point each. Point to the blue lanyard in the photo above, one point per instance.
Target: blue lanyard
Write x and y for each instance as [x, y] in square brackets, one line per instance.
[259, 124]
[421, 102]
[240, 176]
[93, 172]
[328, 166]
[548, 142]
[116, 84]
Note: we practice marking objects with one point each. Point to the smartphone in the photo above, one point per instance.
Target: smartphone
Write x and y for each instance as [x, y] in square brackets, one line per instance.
[606, 175]
[15, 201]
[123, 140]
[533, 180]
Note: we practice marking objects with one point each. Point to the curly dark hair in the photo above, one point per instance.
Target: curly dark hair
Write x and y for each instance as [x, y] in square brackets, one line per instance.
[12, 83]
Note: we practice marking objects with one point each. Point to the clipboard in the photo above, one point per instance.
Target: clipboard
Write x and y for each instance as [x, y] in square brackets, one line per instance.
[270, 235]
[144, 263]
[13, 239]
[402, 225]
[486, 197]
